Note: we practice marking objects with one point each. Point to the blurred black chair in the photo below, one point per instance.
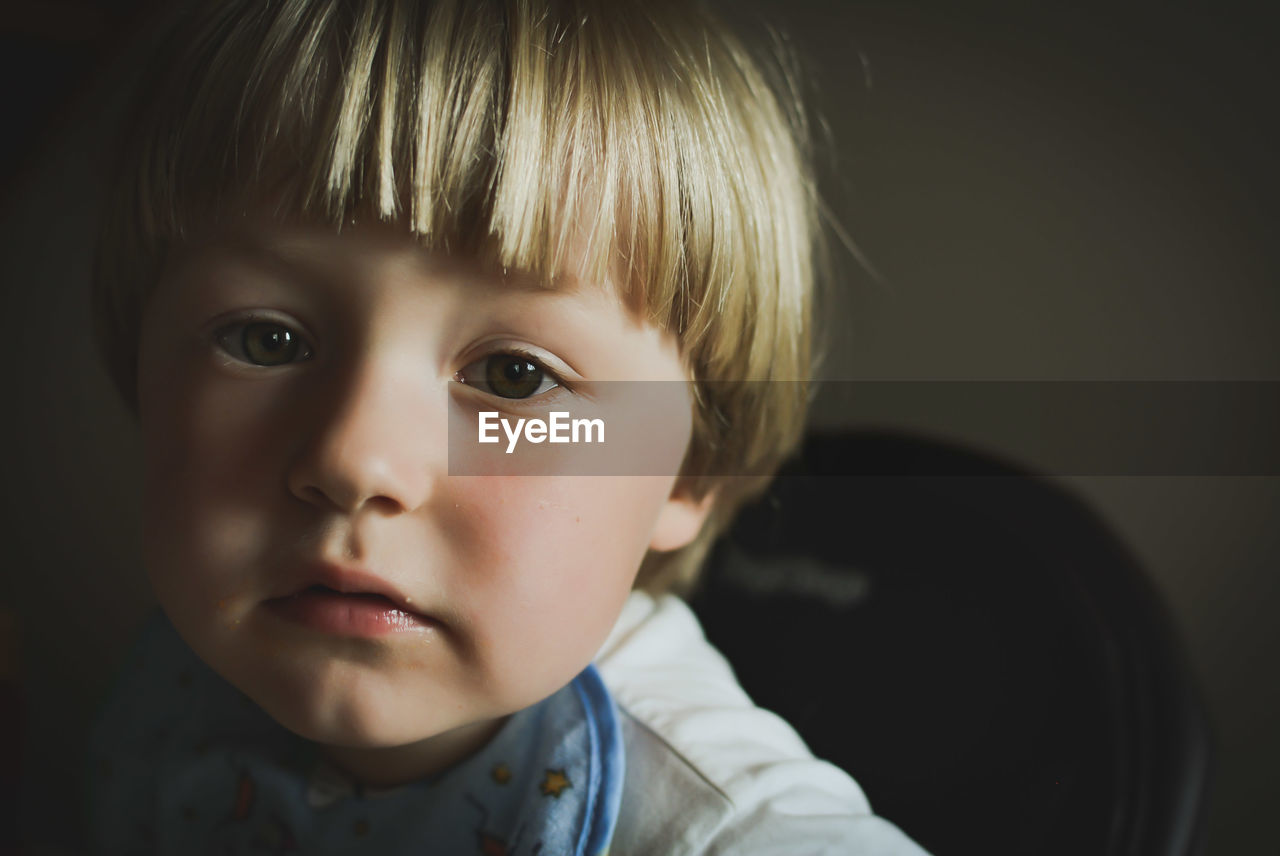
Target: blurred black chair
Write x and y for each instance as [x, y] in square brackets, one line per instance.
[970, 642]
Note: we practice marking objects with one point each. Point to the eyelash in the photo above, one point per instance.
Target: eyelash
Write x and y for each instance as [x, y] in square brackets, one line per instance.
[230, 338]
[561, 386]
[227, 339]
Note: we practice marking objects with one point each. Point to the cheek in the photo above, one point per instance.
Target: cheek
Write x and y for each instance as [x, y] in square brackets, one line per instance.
[207, 473]
[551, 560]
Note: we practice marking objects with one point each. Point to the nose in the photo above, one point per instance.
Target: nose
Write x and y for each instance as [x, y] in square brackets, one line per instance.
[371, 438]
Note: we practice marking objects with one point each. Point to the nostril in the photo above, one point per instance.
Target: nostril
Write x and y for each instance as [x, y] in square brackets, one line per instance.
[349, 500]
[387, 504]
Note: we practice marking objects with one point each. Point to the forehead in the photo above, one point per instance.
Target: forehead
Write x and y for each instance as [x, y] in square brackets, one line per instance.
[362, 251]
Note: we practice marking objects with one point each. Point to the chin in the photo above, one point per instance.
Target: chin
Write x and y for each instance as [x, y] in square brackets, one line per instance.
[355, 711]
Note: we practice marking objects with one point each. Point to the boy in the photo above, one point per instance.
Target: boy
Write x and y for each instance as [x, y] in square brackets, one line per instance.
[343, 229]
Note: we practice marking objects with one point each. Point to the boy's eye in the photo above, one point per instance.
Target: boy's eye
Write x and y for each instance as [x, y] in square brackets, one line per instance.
[509, 375]
[263, 343]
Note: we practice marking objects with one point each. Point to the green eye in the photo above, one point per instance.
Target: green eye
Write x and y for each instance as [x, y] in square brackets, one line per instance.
[263, 343]
[269, 344]
[509, 375]
[512, 376]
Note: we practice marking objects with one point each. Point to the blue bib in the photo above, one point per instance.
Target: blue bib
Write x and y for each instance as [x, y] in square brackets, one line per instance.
[183, 763]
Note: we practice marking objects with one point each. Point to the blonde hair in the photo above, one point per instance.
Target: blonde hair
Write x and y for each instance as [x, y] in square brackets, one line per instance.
[513, 130]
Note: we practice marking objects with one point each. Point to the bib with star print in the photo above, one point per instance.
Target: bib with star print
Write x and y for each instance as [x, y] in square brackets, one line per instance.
[185, 764]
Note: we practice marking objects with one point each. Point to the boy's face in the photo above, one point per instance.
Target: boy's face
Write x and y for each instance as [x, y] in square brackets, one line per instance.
[293, 389]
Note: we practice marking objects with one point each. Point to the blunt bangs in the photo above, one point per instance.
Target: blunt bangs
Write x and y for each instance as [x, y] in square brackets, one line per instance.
[631, 143]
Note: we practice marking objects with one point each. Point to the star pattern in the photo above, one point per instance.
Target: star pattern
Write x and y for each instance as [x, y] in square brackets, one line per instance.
[554, 783]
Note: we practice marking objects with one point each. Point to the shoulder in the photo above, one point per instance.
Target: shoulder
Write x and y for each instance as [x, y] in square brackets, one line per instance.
[707, 770]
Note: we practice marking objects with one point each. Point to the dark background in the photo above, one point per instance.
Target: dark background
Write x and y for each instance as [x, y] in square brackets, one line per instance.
[1046, 191]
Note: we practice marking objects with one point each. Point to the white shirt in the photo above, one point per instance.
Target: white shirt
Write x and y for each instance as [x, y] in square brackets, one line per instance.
[708, 772]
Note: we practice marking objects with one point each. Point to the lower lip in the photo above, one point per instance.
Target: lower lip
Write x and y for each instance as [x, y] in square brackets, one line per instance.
[348, 614]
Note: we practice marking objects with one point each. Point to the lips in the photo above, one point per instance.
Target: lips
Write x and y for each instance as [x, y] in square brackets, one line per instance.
[346, 580]
[349, 602]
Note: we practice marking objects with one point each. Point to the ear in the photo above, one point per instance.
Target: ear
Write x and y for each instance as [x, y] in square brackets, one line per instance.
[680, 519]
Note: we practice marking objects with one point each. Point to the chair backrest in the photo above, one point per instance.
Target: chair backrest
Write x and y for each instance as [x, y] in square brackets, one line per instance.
[972, 643]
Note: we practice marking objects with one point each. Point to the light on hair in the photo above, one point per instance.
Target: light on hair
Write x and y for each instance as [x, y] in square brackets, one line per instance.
[638, 141]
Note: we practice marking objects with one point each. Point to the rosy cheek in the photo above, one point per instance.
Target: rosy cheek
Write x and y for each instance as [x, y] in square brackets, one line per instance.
[556, 549]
